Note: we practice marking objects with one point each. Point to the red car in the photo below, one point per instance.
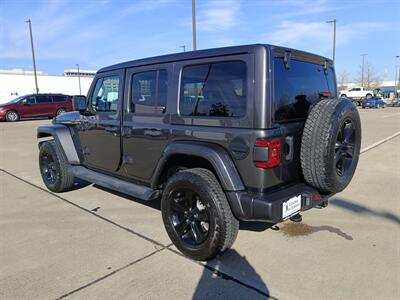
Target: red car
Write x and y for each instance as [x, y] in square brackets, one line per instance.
[35, 106]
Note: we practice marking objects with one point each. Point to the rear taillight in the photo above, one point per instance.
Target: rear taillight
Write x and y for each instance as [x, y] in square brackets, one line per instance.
[267, 153]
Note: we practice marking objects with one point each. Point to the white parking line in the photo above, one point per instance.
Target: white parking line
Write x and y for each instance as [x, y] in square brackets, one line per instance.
[379, 142]
[392, 115]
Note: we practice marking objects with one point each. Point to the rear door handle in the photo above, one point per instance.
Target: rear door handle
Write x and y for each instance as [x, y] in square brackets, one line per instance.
[152, 132]
[289, 142]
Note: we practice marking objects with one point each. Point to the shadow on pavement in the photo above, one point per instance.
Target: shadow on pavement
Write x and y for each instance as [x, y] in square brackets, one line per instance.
[240, 272]
[359, 209]
[79, 184]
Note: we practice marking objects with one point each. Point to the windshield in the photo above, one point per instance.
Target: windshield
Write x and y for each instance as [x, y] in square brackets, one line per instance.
[15, 100]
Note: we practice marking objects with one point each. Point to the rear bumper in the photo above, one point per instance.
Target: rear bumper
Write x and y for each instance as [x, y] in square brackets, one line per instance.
[247, 206]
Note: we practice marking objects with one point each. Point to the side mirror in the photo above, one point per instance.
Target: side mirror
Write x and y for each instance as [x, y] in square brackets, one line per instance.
[24, 102]
[79, 103]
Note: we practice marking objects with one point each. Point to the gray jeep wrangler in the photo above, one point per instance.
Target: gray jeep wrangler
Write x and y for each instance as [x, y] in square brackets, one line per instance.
[252, 133]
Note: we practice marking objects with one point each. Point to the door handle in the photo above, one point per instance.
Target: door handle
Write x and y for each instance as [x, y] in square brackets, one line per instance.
[289, 142]
[152, 132]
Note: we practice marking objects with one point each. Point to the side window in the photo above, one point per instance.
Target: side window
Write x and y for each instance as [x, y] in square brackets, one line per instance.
[105, 96]
[298, 87]
[162, 85]
[149, 91]
[31, 99]
[214, 90]
[43, 99]
[59, 98]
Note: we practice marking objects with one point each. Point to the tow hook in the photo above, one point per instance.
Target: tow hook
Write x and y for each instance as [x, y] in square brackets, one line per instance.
[297, 218]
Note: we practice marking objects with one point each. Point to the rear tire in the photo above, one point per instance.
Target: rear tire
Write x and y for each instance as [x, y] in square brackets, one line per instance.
[61, 111]
[54, 168]
[330, 145]
[12, 116]
[192, 193]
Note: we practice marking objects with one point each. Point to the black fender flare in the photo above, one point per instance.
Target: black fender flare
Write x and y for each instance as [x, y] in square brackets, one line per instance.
[62, 136]
[215, 154]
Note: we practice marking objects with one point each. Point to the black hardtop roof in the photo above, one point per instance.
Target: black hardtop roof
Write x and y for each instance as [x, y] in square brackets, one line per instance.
[234, 50]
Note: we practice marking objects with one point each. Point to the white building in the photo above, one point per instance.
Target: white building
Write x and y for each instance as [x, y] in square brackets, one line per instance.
[18, 82]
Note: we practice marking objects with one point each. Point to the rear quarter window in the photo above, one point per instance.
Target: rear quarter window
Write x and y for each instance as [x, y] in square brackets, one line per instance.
[298, 87]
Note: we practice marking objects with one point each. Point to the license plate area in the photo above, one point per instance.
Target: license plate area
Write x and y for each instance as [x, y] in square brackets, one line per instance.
[291, 206]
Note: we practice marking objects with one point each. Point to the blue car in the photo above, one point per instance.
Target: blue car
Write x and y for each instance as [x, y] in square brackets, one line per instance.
[374, 102]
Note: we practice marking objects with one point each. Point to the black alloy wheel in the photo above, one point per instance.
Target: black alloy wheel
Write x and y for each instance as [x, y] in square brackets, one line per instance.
[196, 214]
[344, 148]
[54, 167]
[188, 216]
[48, 168]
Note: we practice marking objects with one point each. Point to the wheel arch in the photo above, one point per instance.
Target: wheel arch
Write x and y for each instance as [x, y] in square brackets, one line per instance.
[62, 136]
[198, 154]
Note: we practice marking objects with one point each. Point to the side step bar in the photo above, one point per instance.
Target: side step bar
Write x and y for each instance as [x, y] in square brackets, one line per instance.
[135, 190]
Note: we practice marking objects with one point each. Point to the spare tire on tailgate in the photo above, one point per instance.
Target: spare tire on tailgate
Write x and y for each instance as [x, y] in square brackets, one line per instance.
[330, 145]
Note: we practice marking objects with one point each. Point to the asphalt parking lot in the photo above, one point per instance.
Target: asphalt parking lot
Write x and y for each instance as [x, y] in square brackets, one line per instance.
[91, 243]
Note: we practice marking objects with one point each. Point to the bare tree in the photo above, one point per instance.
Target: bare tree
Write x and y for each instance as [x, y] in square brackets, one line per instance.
[343, 80]
[371, 78]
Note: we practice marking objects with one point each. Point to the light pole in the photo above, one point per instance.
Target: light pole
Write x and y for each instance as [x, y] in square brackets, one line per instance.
[362, 69]
[33, 55]
[79, 79]
[334, 38]
[396, 78]
[194, 24]
[183, 47]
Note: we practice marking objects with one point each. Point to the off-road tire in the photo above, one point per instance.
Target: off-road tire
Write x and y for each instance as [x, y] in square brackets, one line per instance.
[9, 117]
[223, 228]
[319, 141]
[64, 179]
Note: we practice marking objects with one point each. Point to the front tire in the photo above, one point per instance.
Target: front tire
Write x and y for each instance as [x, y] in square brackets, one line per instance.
[196, 214]
[12, 116]
[54, 168]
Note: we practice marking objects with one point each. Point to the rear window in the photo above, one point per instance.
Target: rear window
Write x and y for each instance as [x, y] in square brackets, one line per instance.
[214, 90]
[298, 87]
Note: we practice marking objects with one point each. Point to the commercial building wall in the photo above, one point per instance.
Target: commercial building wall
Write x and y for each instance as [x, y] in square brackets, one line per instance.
[10, 85]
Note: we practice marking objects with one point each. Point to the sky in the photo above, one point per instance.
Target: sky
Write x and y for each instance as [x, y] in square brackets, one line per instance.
[100, 33]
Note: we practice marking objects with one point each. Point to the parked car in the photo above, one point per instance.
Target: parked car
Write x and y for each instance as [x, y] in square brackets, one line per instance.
[357, 94]
[35, 106]
[394, 104]
[374, 102]
[202, 131]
